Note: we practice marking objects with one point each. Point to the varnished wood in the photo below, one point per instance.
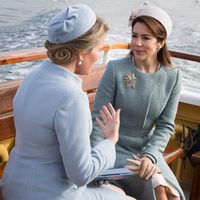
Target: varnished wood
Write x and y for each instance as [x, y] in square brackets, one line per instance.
[2, 166]
[195, 191]
[7, 127]
[91, 97]
[8, 89]
[188, 115]
[7, 93]
[185, 56]
[91, 81]
[171, 153]
[16, 56]
[196, 158]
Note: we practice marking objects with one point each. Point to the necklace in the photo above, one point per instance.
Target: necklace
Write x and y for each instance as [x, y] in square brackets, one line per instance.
[157, 68]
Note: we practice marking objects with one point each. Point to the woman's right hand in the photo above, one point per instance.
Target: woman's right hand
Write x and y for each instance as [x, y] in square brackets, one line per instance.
[110, 123]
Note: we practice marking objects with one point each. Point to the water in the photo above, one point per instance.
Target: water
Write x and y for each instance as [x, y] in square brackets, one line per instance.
[23, 25]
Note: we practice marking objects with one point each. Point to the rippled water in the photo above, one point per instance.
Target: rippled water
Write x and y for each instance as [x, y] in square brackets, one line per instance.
[23, 25]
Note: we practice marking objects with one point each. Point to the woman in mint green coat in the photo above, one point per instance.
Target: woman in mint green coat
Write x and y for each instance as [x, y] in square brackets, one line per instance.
[146, 88]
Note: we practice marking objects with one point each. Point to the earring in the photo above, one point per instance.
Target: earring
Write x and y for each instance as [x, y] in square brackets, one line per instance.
[80, 61]
[158, 49]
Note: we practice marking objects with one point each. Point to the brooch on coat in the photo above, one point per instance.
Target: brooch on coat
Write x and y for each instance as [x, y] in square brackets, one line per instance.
[129, 80]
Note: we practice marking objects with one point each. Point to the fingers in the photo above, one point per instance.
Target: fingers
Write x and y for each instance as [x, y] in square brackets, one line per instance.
[101, 182]
[137, 162]
[148, 169]
[117, 115]
[154, 170]
[109, 122]
[103, 115]
[109, 113]
[99, 122]
[112, 110]
[106, 112]
[137, 157]
[144, 169]
[144, 166]
[150, 173]
[106, 115]
[133, 167]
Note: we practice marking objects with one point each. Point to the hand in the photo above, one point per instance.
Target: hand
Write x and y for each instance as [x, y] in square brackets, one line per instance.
[110, 124]
[101, 182]
[136, 162]
[144, 166]
[147, 169]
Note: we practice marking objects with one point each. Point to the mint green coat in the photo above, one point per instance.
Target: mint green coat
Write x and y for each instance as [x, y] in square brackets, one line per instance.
[148, 109]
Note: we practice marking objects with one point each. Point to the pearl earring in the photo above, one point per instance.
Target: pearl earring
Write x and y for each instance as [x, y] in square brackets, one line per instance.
[80, 62]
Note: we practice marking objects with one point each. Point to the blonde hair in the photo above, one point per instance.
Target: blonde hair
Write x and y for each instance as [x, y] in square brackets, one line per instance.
[66, 52]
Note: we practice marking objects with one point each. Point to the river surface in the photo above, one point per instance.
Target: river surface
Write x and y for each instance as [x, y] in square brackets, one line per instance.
[23, 25]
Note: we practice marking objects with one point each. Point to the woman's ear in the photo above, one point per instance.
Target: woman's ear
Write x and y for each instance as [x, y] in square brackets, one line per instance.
[161, 44]
[80, 67]
[80, 59]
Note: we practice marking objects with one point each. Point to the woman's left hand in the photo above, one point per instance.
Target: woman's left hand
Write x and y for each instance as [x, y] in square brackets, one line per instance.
[146, 169]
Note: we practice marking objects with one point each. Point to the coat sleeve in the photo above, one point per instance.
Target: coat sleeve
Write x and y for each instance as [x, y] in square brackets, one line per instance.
[105, 94]
[73, 126]
[165, 123]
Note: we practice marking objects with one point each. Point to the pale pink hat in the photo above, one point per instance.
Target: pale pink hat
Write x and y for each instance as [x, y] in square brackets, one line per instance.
[156, 13]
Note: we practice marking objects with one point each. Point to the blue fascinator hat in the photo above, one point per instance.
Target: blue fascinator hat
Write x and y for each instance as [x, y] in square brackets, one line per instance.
[70, 23]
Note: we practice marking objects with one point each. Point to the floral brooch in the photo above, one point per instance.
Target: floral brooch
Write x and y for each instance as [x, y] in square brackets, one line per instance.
[129, 80]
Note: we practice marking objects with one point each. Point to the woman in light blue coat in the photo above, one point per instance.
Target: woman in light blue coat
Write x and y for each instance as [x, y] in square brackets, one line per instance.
[52, 158]
[146, 88]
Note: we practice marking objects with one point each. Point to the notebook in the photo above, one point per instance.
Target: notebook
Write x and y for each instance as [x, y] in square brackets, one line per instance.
[115, 174]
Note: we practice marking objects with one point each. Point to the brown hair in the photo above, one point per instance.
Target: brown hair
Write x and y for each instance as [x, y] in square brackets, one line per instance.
[160, 33]
[65, 52]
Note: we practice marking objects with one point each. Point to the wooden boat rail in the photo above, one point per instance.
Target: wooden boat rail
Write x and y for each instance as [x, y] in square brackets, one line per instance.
[16, 56]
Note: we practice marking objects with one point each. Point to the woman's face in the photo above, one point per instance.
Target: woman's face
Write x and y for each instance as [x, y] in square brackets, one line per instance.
[89, 58]
[143, 43]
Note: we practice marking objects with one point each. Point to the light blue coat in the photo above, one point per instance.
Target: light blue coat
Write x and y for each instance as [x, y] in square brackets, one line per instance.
[52, 158]
[148, 111]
